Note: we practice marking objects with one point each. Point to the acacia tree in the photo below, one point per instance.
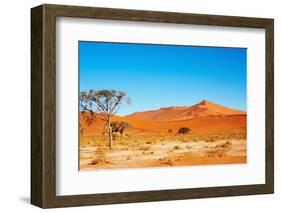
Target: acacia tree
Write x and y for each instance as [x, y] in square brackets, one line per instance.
[106, 102]
[119, 126]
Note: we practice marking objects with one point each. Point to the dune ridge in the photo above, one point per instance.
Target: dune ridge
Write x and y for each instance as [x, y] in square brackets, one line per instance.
[201, 109]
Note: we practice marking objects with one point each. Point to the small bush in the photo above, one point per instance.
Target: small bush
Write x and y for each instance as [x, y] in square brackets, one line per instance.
[115, 135]
[82, 130]
[188, 147]
[144, 148]
[183, 130]
[99, 157]
[176, 147]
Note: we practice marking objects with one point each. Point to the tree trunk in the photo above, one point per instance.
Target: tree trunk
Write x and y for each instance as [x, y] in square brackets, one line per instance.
[109, 132]
[110, 140]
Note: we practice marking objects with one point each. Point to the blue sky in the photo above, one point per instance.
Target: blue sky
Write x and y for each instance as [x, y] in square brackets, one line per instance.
[156, 76]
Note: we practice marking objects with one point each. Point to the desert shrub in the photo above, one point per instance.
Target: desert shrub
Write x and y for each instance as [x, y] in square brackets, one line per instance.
[226, 144]
[215, 152]
[168, 162]
[115, 135]
[170, 130]
[82, 130]
[144, 148]
[188, 147]
[176, 147]
[99, 157]
[183, 130]
[211, 139]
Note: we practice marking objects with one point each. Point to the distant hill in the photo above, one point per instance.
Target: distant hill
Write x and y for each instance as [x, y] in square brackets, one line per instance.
[202, 109]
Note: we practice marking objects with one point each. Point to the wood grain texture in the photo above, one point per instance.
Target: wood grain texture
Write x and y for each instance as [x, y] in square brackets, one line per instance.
[269, 118]
[36, 106]
[43, 105]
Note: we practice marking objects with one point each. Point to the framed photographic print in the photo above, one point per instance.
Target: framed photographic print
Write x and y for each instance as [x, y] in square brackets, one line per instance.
[136, 106]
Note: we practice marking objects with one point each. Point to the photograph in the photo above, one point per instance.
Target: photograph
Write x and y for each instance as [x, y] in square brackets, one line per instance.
[151, 105]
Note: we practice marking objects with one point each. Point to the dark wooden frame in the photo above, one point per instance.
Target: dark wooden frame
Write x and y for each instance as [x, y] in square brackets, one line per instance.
[43, 105]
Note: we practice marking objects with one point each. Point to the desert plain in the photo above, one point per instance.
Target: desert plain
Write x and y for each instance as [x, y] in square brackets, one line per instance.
[217, 135]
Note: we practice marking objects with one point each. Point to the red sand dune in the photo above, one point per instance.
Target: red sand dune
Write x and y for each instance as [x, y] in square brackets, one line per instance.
[205, 117]
[202, 109]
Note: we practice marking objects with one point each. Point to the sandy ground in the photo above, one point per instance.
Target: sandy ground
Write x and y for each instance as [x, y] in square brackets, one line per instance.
[94, 155]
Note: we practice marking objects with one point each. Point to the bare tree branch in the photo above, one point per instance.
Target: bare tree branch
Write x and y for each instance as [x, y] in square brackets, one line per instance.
[106, 102]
